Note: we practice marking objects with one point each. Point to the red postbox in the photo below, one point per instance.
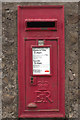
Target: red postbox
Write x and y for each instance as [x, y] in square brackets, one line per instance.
[41, 63]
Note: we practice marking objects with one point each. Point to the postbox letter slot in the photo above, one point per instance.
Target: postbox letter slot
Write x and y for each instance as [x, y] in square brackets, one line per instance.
[41, 24]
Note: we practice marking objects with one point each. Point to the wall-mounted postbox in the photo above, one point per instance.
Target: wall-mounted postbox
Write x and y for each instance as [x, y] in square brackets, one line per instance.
[41, 68]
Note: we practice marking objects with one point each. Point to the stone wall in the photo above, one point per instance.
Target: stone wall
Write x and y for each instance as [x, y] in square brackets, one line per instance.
[9, 59]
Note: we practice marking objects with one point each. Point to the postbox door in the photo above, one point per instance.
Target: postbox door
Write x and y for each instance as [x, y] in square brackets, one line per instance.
[42, 88]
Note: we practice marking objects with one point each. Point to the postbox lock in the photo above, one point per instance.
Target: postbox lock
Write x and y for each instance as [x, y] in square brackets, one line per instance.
[40, 42]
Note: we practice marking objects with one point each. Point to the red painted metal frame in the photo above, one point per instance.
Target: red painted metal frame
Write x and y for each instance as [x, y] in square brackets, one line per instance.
[33, 46]
[43, 20]
[21, 71]
[42, 6]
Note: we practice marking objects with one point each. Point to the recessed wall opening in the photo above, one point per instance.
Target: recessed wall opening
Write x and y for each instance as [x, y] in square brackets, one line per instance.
[41, 24]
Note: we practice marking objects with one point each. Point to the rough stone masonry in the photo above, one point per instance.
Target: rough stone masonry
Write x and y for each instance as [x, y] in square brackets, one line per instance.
[9, 58]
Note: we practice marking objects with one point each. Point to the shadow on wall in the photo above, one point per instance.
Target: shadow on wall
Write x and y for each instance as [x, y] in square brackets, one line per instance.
[37, 119]
[43, 119]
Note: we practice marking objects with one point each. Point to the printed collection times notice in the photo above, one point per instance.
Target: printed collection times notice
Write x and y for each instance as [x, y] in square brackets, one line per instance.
[41, 60]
